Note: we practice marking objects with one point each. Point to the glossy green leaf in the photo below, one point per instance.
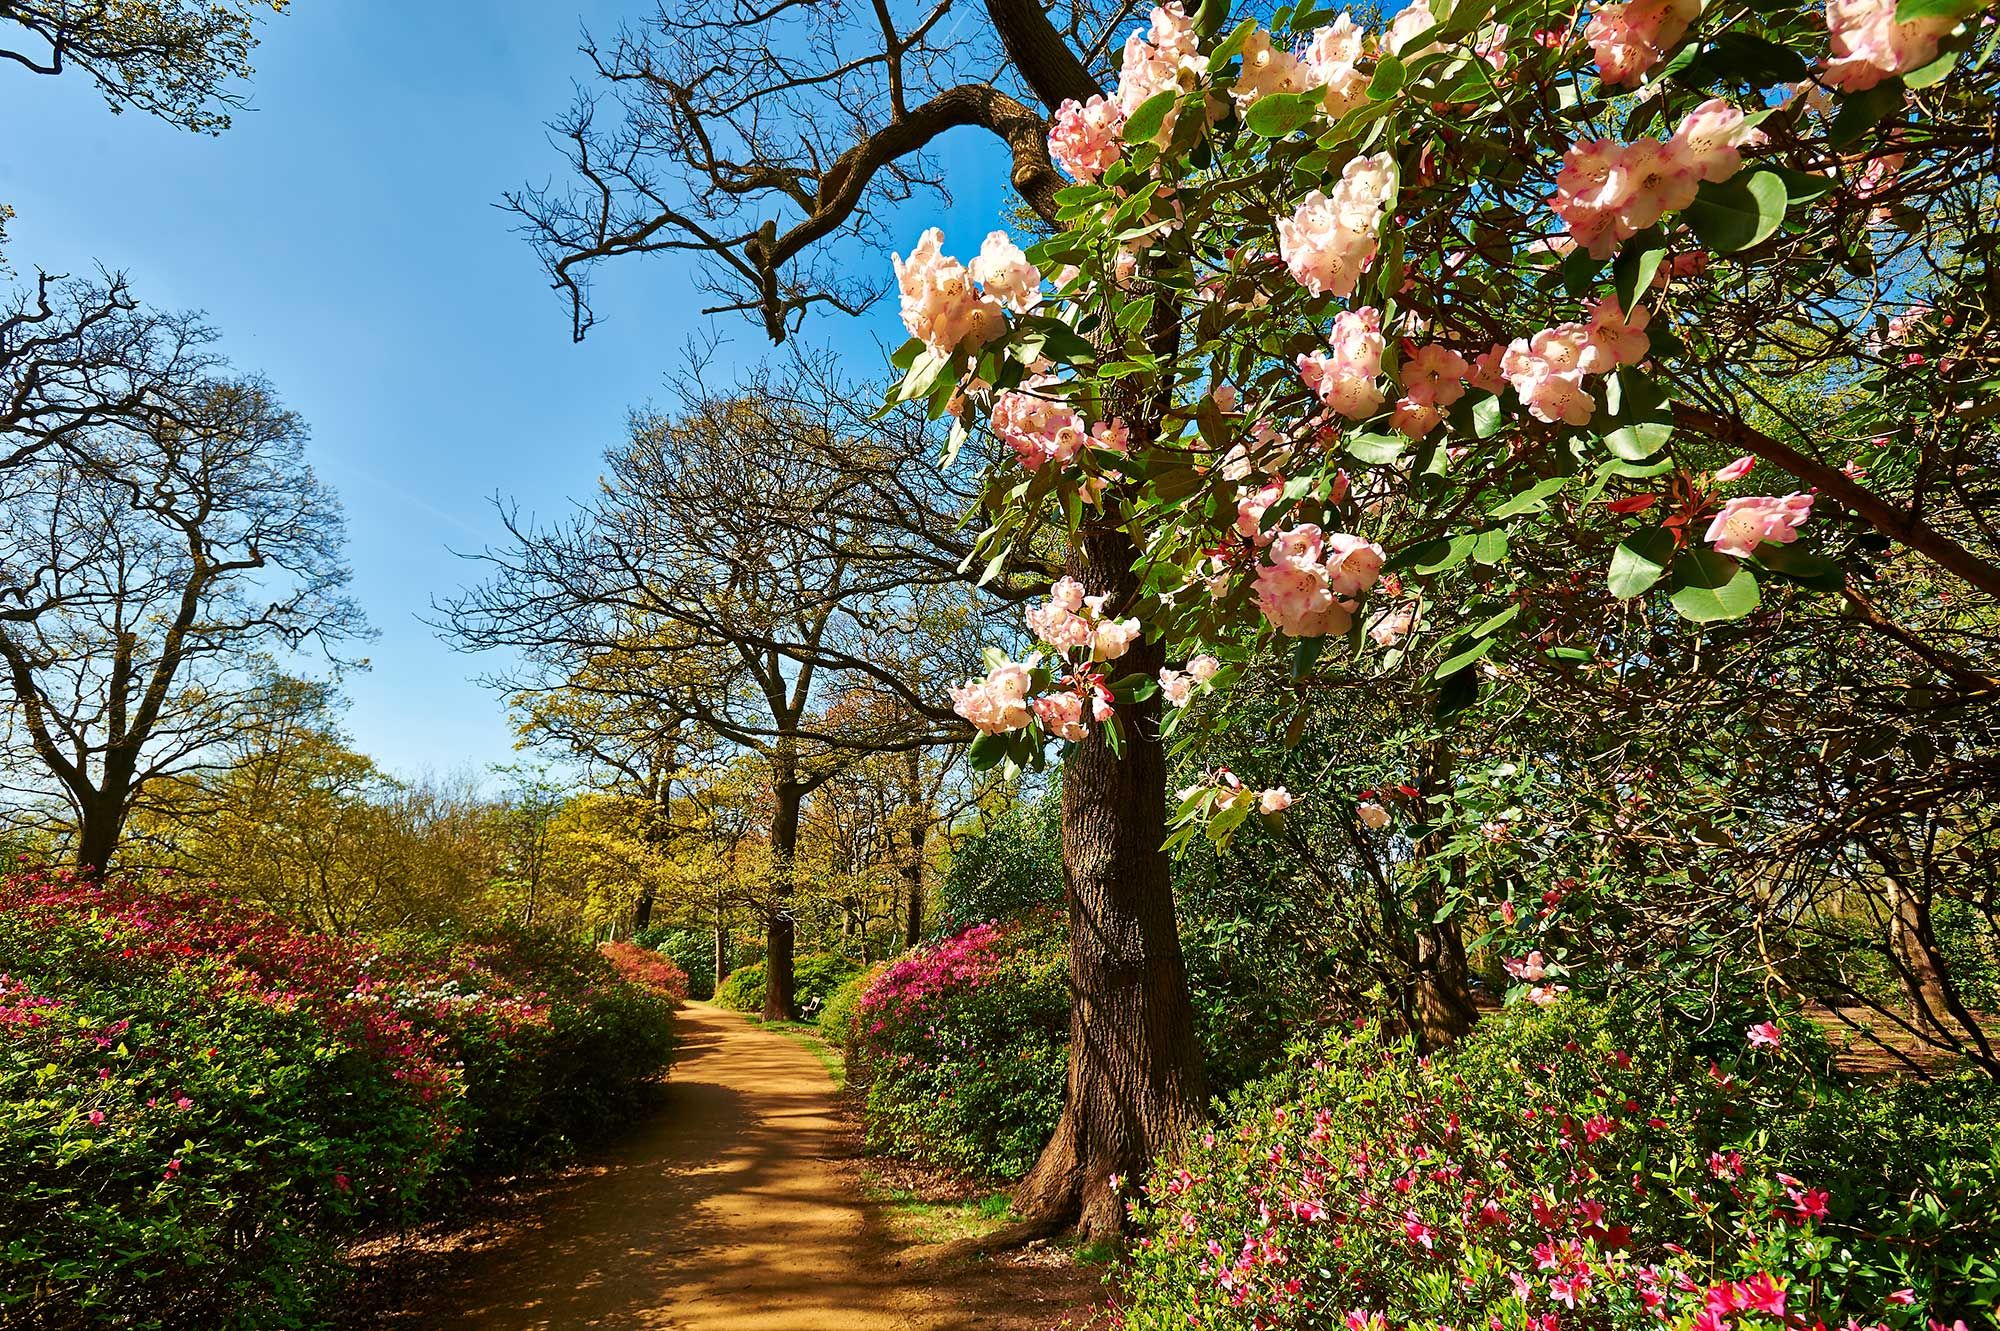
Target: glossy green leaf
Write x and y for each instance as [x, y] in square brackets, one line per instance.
[1739, 212]
[1711, 587]
[1145, 123]
[1640, 561]
[1277, 114]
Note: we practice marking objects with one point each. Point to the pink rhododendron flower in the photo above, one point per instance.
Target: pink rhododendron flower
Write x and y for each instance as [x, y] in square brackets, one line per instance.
[1547, 371]
[1372, 815]
[1005, 273]
[999, 702]
[1392, 625]
[1542, 995]
[1040, 427]
[1528, 969]
[1736, 470]
[1345, 379]
[1765, 1035]
[1087, 138]
[1411, 20]
[1251, 505]
[1308, 588]
[1614, 338]
[1061, 714]
[1275, 800]
[1332, 57]
[1166, 58]
[1630, 38]
[1176, 686]
[941, 307]
[1330, 238]
[1868, 45]
[1745, 523]
[1203, 668]
[1607, 192]
[1268, 69]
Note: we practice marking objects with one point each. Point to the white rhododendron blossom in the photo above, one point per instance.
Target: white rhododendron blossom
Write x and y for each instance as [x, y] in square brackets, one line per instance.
[1167, 58]
[1869, 45]
[1745, 523]
[941, 306]
[1005, 273]
[1070, 621]
[1087, 138]
[1268, 69]
[1330, 238]
[1372, 815]
[1332, 61]
[999, 702]
[1038, 426]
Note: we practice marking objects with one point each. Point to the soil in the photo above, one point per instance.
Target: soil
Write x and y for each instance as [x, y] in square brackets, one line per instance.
[739, 1204]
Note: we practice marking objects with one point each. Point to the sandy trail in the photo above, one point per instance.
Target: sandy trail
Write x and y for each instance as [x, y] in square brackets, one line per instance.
[724, 1211]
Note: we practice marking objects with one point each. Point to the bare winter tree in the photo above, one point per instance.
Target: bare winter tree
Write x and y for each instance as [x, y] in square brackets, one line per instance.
[143, 582]
[760, 138]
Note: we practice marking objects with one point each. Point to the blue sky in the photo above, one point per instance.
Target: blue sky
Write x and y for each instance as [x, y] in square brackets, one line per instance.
[342, 237]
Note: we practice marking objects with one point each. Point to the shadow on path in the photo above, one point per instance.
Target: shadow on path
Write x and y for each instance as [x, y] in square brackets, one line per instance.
[725, 1210]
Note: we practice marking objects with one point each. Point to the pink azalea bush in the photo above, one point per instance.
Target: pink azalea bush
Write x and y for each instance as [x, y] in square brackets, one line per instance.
[199, 1102]
[648, 970]
[1567, 1168]
[962, 1045]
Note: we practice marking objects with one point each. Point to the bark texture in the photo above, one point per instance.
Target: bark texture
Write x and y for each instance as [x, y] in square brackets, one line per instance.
[788, 794]
[1136, 1084]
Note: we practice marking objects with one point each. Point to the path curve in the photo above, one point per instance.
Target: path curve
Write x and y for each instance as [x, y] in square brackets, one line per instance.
[725, 1210]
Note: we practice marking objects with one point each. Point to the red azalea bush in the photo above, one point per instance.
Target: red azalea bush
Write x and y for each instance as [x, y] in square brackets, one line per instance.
[1576, 1166]
[652, 971]
[963, 1045]
[199, 1103]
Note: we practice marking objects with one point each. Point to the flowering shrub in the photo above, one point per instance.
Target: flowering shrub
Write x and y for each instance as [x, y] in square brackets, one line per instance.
[963, 1046]
[1571, 1165]
[693, 950]
[648, 970]
[198, 1102]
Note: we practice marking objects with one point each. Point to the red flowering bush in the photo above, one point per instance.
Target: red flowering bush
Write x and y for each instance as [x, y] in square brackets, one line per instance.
[1570, 1167]
[651, 971]
[963, 1046]
[199, 1103]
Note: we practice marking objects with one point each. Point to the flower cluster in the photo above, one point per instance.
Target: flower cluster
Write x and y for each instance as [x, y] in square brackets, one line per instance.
[999, 702]
[1607, 191]
[1312, 583]
[1178, 686]
[1166, 58]
[1087, 138]
[1629, 37]
[1043, 428]
[942, 307]
[1548, 369]
[1344, 380]
[1070, 621]
[1330, 239]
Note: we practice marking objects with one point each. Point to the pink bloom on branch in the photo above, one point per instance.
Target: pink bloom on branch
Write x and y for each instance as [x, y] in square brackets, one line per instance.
[1630, 38]
[1868, 45]
[1088, 138]
[1528, 969]
[1330, 238]
[1275, 800]
[1005, 273]
[998, 703]
[1372, 815]
[1345, 381]
[941, 307]
[1765, 1035]
[1736, 470]
[1747, 522]
[1332, 62]
[1204, 667]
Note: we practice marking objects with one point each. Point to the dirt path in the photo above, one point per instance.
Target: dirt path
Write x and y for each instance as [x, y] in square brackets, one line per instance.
[727, 1210]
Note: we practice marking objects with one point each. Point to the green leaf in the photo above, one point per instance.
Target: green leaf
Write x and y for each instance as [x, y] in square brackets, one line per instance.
[1638, 442]
[1500, 620]
[1304, 653]
[1804, 186]
[1710, 587]
[1376, 448]
[1144, 124]
[1388, 81]
[1534, 499]
[1863, 111]
[1908, 11]
[1277, 114]
[1232, 46]
[1739, 212]
[1640, 561]
[1487, 417]
[906, 355]
[1805, 567]
[1579, 272]
[1490, 547]
[1638, 264]
[1925, 75]
[1465, 658]
[1459, 691]
[987, 751]
[1456, 553]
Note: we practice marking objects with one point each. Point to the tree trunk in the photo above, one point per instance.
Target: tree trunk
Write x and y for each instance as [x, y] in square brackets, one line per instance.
[913, 867]
[1136, 1085]
[721, 943]
[1438, 1003]
[1935, 1006]
[780, 931]
[642, 911]
[100, 821]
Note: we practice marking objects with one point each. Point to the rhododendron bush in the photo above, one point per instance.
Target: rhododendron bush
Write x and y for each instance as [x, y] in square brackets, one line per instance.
[1576, 1167]
[962, 1046]
[199, 1103]
[1373, 339]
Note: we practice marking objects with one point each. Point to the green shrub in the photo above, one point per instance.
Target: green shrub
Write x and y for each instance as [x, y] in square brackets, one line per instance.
[964, 1047]
[815, 976]
[1011, 867]
[839, 1017]
[743, 990]
[1595, 1164]
[693, 950]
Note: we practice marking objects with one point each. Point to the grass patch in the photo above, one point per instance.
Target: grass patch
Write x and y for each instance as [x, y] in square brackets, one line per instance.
[915, 1219]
